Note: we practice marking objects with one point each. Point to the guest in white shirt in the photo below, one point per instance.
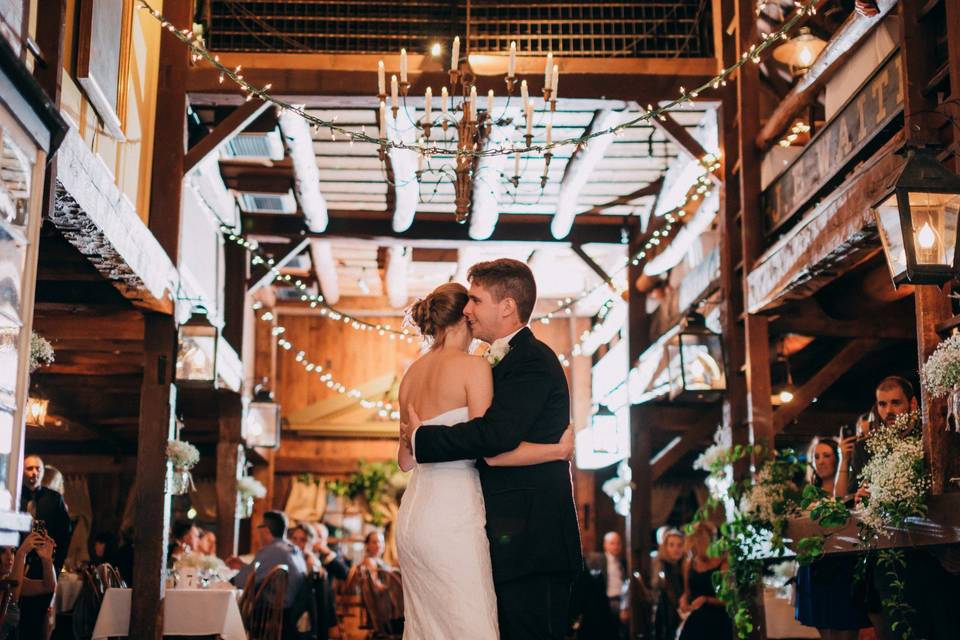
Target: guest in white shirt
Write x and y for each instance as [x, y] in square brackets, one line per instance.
[613, 568]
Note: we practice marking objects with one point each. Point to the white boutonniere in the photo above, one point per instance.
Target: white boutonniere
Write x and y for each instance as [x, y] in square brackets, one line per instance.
[497, 351]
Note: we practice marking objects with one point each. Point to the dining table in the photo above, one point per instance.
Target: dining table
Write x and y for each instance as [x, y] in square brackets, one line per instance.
[186, 612]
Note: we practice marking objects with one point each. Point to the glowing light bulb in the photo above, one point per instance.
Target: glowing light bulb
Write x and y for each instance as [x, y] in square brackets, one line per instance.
[435, 50]
[786, 396]
[926, 237]
[805, 57]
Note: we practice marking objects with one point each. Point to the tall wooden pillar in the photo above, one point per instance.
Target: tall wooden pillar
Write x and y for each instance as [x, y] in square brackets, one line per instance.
[230, 460]
[757, 341]
[921, 123]
[50, 38]
[152, 506]
[638, 523]
[264, 368]
[158, 394]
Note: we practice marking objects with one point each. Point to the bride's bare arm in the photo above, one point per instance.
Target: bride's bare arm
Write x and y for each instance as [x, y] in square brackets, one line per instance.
[479, 385]
[405, 458]
[533, 453]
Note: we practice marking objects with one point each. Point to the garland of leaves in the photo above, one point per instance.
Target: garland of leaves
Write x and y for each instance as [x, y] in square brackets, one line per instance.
[371, 482]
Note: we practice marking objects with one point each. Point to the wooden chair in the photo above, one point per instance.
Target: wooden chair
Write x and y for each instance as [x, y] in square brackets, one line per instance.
[383, 609]
[266, 616]
[248, 595]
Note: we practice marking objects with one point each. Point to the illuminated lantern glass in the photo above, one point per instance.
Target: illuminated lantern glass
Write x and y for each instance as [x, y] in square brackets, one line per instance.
[695, 357]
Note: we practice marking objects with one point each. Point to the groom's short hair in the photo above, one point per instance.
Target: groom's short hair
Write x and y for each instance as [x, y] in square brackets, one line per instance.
[506, 278]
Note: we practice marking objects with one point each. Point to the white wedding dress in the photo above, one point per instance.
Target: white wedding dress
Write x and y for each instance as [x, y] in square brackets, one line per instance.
[444, 554]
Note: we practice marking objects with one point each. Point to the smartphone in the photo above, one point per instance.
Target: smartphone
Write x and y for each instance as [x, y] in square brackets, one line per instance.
[40, 527]
[848, 431]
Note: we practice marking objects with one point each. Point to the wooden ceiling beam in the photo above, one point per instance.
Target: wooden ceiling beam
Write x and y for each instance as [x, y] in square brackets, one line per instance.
[651, 189]
[696, 435]
[851, 354]
[678, 134]
[236, 122]
[80, 321]
[377, 226]
[809, 319]
[843, 44]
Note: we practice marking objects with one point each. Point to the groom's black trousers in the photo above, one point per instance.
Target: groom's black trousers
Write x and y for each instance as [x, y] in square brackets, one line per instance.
[534, 607]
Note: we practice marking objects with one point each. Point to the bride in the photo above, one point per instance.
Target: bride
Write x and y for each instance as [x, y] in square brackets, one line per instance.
[444, 554]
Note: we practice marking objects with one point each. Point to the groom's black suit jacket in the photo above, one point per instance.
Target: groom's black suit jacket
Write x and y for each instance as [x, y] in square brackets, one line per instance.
[531, 515]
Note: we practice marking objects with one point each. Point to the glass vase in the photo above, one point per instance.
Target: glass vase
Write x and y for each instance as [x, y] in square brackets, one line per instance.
[181, 482]
[245, 507]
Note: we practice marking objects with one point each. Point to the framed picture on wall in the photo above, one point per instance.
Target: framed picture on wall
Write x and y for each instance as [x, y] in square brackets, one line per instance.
[102, 44]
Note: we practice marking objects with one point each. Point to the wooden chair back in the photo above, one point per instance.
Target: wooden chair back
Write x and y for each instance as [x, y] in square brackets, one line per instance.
[384, 609]
[248, 595]
[266, 618]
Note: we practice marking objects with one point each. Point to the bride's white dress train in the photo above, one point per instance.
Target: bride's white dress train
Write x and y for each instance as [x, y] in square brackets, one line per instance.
[444, 554]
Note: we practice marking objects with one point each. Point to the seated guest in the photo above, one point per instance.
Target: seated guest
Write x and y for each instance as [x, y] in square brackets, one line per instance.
[379, 587]
[103, 548]
[667, 582]
[322, 566]
[824, 588]
[12, 563]
[612, 566]
[184, 538]
[707, 618]
[207, 543]
[275, 550]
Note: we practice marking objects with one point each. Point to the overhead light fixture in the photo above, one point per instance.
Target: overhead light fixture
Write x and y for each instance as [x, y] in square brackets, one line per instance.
[37, 411]
[436, 50]
[800, 52]
[917, 217]
[695, 361]
[262, 420]
[604, 425]
[785, 395]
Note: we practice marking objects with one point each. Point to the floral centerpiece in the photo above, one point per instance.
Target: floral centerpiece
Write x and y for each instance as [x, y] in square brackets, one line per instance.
[207, 566]
[41, 352]
[248, 489]
[940, 377]
[183, 456]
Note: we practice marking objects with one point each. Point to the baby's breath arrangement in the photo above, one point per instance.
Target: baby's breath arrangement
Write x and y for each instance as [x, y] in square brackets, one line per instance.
[182, 454]
[250, 487]
[41, 352]
[941, 371]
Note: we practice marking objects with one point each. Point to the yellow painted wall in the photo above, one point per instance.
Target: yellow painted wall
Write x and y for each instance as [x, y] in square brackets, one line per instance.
[129, 161]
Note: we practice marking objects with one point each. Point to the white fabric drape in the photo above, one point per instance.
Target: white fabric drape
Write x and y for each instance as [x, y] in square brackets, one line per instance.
[76, 494]
[307, 501]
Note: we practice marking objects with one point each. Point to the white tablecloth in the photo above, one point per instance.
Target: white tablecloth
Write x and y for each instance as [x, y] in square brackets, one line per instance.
[186, 612]
[68, 589]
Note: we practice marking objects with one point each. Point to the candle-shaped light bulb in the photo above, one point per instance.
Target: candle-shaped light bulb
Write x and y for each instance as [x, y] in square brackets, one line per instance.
[524, 94]
[490, 104]
[420, 163]
[455, 54]
[512, 62]
[403, 65]
[548, 71]
[444, 96]
[473, 103]
[427, 97]
[554, 82]
[381, 80]
[383, 120]
[529, 116]
[393, 92]
[926, 238]
[549, 131]
[516, 164]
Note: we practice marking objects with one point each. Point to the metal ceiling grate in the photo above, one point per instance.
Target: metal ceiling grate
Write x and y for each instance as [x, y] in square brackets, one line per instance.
[633, 28]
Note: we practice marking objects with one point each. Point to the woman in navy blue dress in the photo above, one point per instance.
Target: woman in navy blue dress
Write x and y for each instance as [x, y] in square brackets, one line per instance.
[824, 588]
[707, 617]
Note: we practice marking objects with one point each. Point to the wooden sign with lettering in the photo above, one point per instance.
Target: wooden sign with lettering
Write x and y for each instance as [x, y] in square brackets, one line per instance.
[854, 129]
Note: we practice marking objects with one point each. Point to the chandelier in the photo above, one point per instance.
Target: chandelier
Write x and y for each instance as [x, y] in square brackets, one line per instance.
[475, 125]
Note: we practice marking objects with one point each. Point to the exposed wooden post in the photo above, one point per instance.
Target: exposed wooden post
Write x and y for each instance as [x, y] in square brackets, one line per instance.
[264, 368]
[230, 459]
[236, 268]
[932, 304]
[638, 524]
[757, 340]
[170, 131]
[265, 474]
[50, 37]
[157, 424]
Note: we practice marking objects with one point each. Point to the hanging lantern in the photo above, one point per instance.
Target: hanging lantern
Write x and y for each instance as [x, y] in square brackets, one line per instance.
[800, 52]
[917, 217]
[605, 430]
[197, 351]
[695, 361]
[37, 411]
[261, 423]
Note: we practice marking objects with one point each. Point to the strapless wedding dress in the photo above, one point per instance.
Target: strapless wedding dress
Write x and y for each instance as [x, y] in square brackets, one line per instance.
[444, 554]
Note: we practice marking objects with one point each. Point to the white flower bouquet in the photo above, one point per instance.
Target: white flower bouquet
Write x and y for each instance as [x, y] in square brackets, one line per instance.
[182, 454]
[249, 487]
[770, 497]
[895, 474]
[941, 371]
[200, 561]
[41, 352]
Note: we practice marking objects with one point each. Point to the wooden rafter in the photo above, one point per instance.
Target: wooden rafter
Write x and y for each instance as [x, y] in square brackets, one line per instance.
[825, 376]
[810, 319]
[238, 120]
[695, 435]
[269, 276]
[651, 189]
[593, 266]
[679, 135]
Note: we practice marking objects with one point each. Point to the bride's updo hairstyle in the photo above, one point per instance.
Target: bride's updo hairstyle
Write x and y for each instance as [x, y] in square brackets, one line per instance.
[440, 310]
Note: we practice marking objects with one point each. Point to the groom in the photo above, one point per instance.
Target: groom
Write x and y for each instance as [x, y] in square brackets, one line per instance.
[531, 516]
